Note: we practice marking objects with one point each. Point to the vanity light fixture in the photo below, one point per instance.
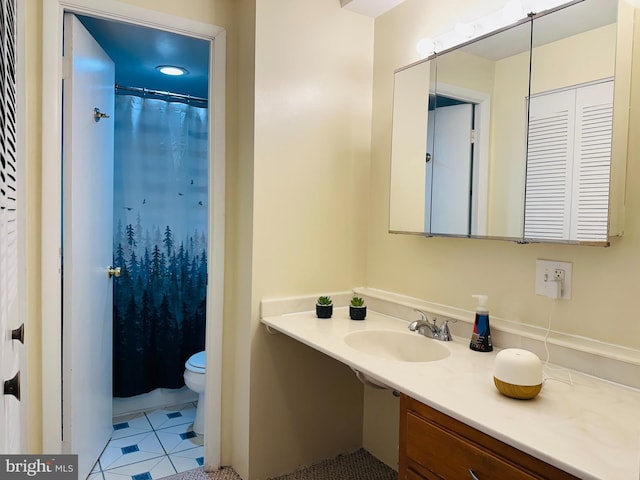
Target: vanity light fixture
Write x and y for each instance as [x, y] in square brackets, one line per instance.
[425, 47]
[172, 70]
[511, 12]
[466, 30]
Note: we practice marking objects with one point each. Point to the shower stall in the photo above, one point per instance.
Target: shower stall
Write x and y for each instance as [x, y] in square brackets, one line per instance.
[160, 238]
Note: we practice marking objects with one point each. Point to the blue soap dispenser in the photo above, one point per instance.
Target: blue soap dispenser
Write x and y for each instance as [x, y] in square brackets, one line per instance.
[481, 337]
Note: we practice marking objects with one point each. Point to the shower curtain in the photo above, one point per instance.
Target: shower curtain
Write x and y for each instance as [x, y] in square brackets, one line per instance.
[160, 241]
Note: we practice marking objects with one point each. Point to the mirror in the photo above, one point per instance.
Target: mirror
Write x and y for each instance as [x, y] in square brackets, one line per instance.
[448, 181]
[571, 124]
[477, 166]
[408, 156]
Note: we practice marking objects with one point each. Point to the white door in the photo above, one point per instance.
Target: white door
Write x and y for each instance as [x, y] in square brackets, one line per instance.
[12, 373]
[450, 170]
[87, 246]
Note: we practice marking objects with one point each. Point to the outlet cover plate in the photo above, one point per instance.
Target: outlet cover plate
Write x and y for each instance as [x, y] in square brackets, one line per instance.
[544, 275]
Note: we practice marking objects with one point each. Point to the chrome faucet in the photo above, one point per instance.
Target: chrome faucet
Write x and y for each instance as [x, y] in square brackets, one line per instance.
[431, 330]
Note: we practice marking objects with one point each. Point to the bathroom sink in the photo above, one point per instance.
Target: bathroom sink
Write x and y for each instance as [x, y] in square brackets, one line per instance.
[398, 346]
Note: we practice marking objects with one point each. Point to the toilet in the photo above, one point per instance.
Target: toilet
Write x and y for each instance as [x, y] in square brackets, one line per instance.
[194, 379]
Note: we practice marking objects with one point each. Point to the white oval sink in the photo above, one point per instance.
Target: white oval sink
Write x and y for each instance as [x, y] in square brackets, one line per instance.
[398, 346]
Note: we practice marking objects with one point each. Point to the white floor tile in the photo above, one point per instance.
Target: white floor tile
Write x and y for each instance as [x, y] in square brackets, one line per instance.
[147, 445]
[169, 417]
[188, 459]
[146, 470]
[137, 423]
[178, 438]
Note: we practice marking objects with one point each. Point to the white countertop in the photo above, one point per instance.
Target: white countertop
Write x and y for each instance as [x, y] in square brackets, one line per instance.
[590, 428]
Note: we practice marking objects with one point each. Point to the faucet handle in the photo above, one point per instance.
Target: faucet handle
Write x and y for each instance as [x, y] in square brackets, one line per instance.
[444, 332]
[423, 316]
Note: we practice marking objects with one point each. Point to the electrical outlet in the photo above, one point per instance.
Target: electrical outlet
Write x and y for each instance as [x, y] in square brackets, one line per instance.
[551, 272]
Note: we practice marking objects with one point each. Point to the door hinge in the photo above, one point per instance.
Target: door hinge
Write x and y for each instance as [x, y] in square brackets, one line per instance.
[473, 136]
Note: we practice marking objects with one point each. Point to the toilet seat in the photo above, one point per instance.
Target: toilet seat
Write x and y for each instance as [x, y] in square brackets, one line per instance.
[196, 362]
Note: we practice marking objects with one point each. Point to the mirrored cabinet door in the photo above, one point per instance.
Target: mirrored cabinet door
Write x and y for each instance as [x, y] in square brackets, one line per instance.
[411, 91]
[571, 124]
[479, 119]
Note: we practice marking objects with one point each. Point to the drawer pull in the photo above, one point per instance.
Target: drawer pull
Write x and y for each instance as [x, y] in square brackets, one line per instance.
[12, 386]
[18, 334]
[472, 475]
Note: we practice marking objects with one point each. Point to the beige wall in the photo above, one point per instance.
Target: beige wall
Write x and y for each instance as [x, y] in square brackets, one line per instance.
[508, 137]
[606, 281]
[31, 203]
[312, 136]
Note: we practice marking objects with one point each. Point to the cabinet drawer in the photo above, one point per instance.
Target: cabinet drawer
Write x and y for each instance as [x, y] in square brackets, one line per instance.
[423, 475]
[437, 446]
[452, 457]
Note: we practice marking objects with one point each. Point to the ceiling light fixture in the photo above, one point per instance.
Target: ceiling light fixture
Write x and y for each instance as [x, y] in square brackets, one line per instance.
[172, 70]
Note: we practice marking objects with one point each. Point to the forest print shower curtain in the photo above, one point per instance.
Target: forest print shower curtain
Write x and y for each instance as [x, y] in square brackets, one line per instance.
[160, 241]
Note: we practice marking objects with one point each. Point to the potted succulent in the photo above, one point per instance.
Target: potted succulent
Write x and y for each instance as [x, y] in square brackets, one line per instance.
[357, 309]
[324, 307]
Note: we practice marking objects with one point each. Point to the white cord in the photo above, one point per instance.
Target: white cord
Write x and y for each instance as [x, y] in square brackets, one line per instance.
[546, 349]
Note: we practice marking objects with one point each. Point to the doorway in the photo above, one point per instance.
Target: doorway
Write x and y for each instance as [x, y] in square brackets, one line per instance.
[452, 100]
[52, 207]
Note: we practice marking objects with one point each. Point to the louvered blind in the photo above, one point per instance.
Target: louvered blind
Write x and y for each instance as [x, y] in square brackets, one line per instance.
[8, 159]
[568, 164]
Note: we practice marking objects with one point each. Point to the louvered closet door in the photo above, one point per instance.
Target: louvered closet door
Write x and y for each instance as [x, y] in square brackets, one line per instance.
[568, 164]
[549, 157]
[594, 128]
[10, 350]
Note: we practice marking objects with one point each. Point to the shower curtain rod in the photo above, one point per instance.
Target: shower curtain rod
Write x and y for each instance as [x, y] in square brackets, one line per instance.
[146, 91]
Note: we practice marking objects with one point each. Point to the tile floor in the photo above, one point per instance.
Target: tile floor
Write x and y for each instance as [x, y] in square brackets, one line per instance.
[151, 445]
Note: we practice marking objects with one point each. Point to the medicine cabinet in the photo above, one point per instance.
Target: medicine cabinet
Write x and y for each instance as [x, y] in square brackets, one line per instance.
[519, 135]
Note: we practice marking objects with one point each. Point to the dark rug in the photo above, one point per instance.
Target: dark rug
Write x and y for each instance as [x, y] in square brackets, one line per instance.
[359, 465]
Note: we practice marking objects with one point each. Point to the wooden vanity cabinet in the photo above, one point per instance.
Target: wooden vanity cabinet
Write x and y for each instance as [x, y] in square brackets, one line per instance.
[434, 446]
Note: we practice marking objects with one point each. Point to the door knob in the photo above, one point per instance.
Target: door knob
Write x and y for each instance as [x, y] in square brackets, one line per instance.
[18, 334]
[12, 386]
[114, 272]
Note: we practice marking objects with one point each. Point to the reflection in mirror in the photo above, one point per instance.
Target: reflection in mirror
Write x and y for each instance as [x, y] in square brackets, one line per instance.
[571, 123]
[409, 148]
[478, 189]
[477, 168]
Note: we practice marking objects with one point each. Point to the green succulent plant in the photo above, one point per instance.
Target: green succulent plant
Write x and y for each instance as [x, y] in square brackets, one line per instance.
[325, 300]
[357, 302]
